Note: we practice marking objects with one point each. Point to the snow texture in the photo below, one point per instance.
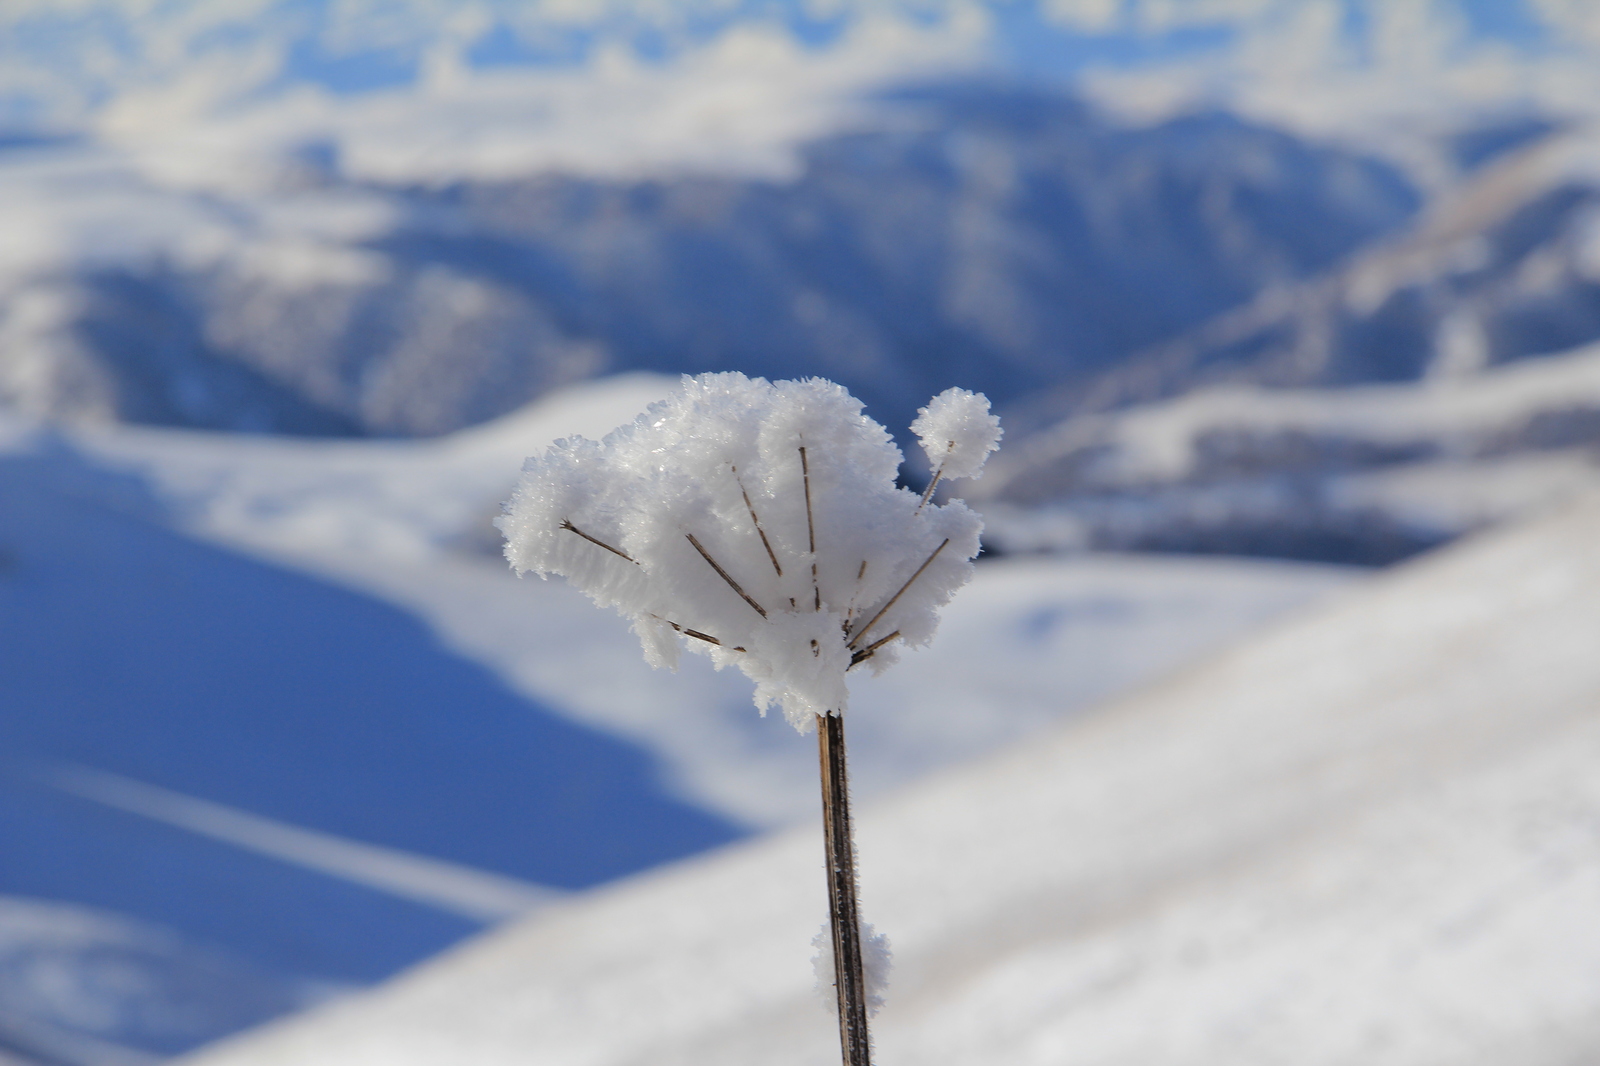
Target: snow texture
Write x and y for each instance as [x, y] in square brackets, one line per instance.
[876, 959]
[759, 523]
[957, 432]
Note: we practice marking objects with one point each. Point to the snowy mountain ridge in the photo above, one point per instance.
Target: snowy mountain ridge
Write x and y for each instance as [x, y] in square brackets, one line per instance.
[1371, 472]
[406, 218]
[1011, 239]
[1435, 382]
[1503, 265]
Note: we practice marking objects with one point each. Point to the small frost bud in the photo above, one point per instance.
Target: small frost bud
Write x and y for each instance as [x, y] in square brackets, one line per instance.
[957, 433]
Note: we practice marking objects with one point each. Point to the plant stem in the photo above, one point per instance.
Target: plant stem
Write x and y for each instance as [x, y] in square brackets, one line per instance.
[849, 976]
[811, 532]
[861, 655]
[927, 493]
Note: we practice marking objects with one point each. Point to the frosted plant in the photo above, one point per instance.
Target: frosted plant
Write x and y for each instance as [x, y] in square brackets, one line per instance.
[759, 523]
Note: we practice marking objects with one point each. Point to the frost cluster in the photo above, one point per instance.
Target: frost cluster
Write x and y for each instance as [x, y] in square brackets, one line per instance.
[759, 523]
[957, 432]
[876, 961]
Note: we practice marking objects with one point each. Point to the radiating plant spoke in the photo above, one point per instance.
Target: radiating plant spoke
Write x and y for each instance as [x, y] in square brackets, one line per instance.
[755, 521]
[901, 591]
[570, 528]
[811, 531]
[762, 611]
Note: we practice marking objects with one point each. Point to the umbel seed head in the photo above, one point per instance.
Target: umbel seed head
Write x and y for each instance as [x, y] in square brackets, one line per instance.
[758, 523]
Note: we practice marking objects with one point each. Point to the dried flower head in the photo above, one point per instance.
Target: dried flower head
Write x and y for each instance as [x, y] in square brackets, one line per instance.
[759, 523]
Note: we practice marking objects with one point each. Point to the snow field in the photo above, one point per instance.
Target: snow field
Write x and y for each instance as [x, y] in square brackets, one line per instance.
[1365, 836]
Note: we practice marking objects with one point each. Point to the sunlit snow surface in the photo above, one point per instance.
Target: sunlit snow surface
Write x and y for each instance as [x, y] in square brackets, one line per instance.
[1367, 836]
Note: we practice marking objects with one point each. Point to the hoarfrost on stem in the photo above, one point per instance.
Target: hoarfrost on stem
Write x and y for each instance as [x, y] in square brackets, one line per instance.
[877, 959]
[758, 523]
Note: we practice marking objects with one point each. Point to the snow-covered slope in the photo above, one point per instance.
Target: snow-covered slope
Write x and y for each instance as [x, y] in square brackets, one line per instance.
[1366, 837]
[129, 648]
[1503, 264]
[1440, 380]
[1371, 472]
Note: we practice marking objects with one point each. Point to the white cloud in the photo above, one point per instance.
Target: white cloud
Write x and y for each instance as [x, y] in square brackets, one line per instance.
[738, 103]
[1579, 18]
[1093, 16]
[1166, 15]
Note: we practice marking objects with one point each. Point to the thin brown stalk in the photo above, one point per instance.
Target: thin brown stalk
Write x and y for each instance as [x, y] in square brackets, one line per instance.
[765, 543]
[895, 598]
[844, 913]
[570, 528]
[851, 613]
[811, 531]
[734, 585]
[866, 653]
[695, 633]
[927, 493]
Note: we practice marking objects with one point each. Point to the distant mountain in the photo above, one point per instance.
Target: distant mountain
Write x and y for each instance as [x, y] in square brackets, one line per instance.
[1004, 240]
[1504, 265]
[1441, 380]
[1008, 240]
[1368, 473]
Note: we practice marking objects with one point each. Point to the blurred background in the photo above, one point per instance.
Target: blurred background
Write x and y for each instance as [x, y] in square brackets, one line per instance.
[1272, 296]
